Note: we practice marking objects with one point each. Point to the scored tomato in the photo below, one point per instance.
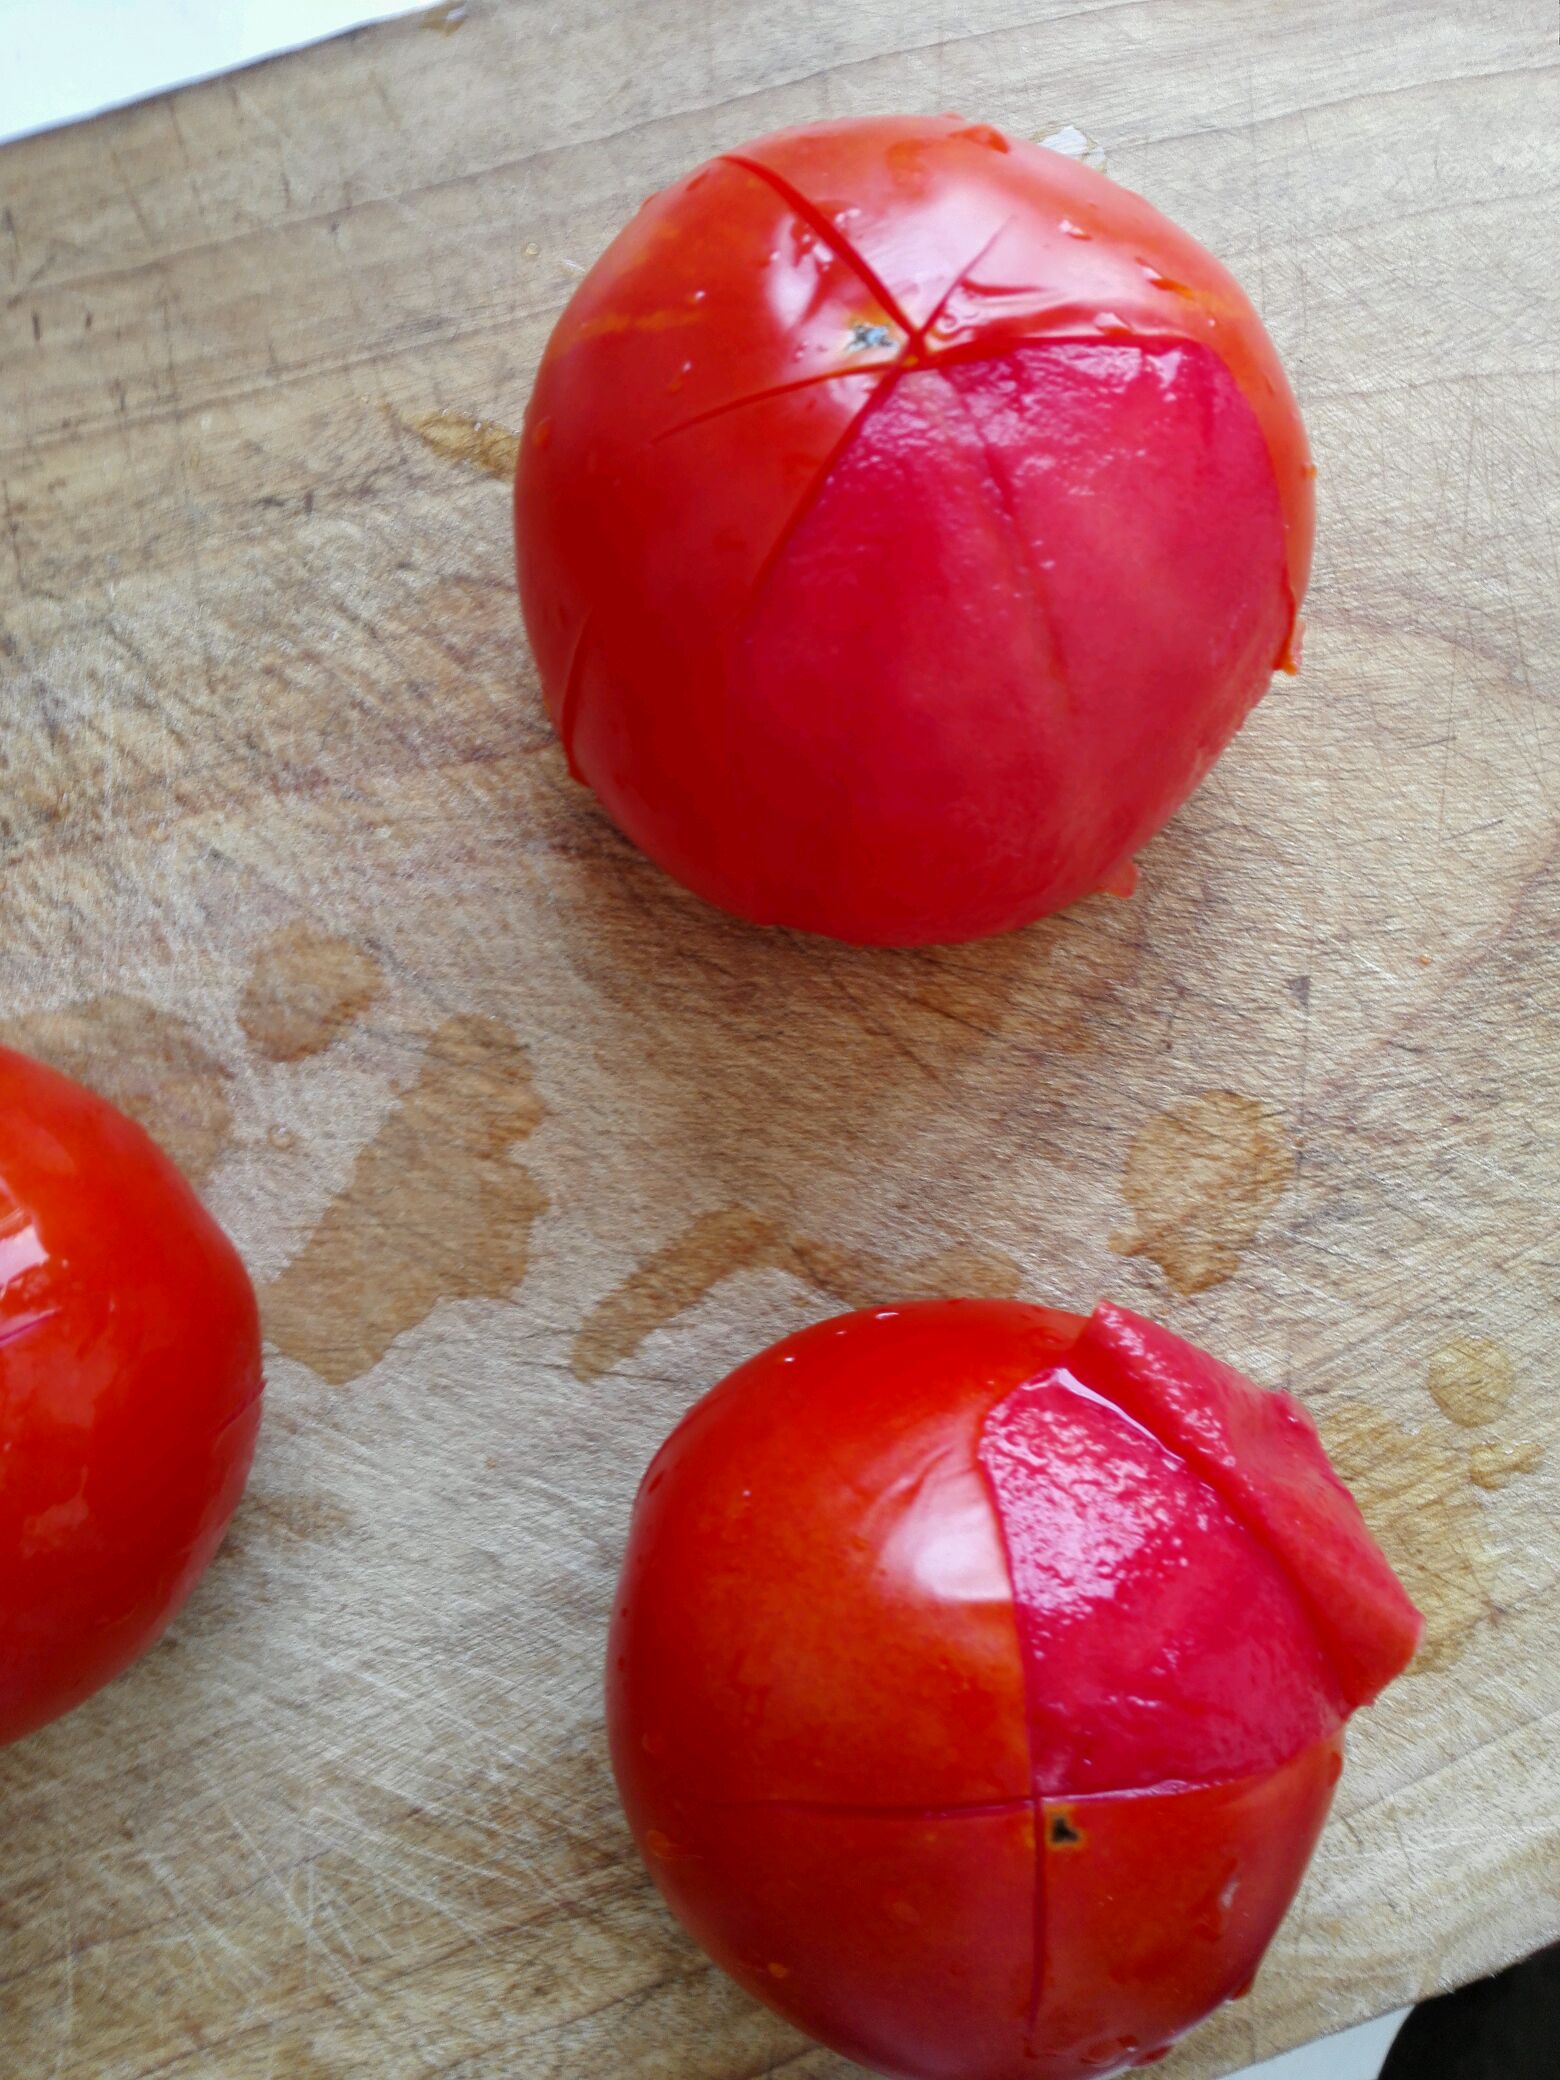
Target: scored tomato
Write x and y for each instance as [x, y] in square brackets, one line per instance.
[977, 1680]
[129, 1392]
[906, 518]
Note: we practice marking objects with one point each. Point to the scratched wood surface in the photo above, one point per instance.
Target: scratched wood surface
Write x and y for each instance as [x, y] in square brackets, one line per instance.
[525, 1147]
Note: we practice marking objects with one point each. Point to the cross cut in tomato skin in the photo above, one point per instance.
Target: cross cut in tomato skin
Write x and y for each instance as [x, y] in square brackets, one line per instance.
[956, 1713]
[129, 1392]
[904, 524]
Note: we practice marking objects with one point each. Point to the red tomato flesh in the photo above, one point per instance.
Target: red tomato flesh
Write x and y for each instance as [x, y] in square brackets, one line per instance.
[129, 1392]
[960, 1711]
[906, 519]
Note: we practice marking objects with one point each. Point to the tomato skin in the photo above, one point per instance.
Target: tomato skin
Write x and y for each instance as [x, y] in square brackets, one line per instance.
[908, 1942]
[1209, 1872]
[903, 1942]
[129, 1392]
[958, 1715]
[905, 521]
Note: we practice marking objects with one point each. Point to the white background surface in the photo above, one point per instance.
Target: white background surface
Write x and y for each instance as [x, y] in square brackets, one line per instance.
[63, 59]
[60, 59]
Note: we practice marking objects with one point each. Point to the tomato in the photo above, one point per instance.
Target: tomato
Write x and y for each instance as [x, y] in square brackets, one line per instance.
[906, 518]
[129, 1392]
[977, 1681]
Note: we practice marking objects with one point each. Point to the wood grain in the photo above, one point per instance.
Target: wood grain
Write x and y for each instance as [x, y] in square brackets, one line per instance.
[525, 1147]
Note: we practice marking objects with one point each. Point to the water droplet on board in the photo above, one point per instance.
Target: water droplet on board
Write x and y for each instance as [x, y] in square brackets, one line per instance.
[1112, 326]
[1074, 143]
[1071, 230]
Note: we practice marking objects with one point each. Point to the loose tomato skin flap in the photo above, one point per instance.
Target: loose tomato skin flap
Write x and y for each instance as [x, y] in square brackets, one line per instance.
[1259, 1451]
[1163, 1644]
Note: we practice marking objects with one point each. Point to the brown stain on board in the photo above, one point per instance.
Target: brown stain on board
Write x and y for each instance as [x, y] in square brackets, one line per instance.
[436, 1209]
[1201, 1178]
[717, 1245]
[477, 443]
[1496, 1466]
[150, 1063]
[1414, 1494]
[305, 988]
[1471, 1380]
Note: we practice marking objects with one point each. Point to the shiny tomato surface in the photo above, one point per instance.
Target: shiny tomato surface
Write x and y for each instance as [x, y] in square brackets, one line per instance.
[977, 1681]
[907, 516]
[129, 1392]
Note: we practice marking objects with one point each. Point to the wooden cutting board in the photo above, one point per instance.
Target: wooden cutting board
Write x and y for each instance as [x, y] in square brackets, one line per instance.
[525, 1147]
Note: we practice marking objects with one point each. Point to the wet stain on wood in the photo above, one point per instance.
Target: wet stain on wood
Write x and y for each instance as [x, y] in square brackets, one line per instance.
[1471, 1380]
[1496, 1466]
[304, 989]
[476, 443]
[150, 1063]
[436, 1209]
[1415, 1496]
[1201, 1178]
[717, 1245]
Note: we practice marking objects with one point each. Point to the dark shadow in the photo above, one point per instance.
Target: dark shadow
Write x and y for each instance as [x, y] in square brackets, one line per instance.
[1505, 2028]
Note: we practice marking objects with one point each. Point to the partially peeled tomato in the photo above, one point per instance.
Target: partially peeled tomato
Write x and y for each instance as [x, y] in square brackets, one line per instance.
[907, 517]
[971, 1695]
